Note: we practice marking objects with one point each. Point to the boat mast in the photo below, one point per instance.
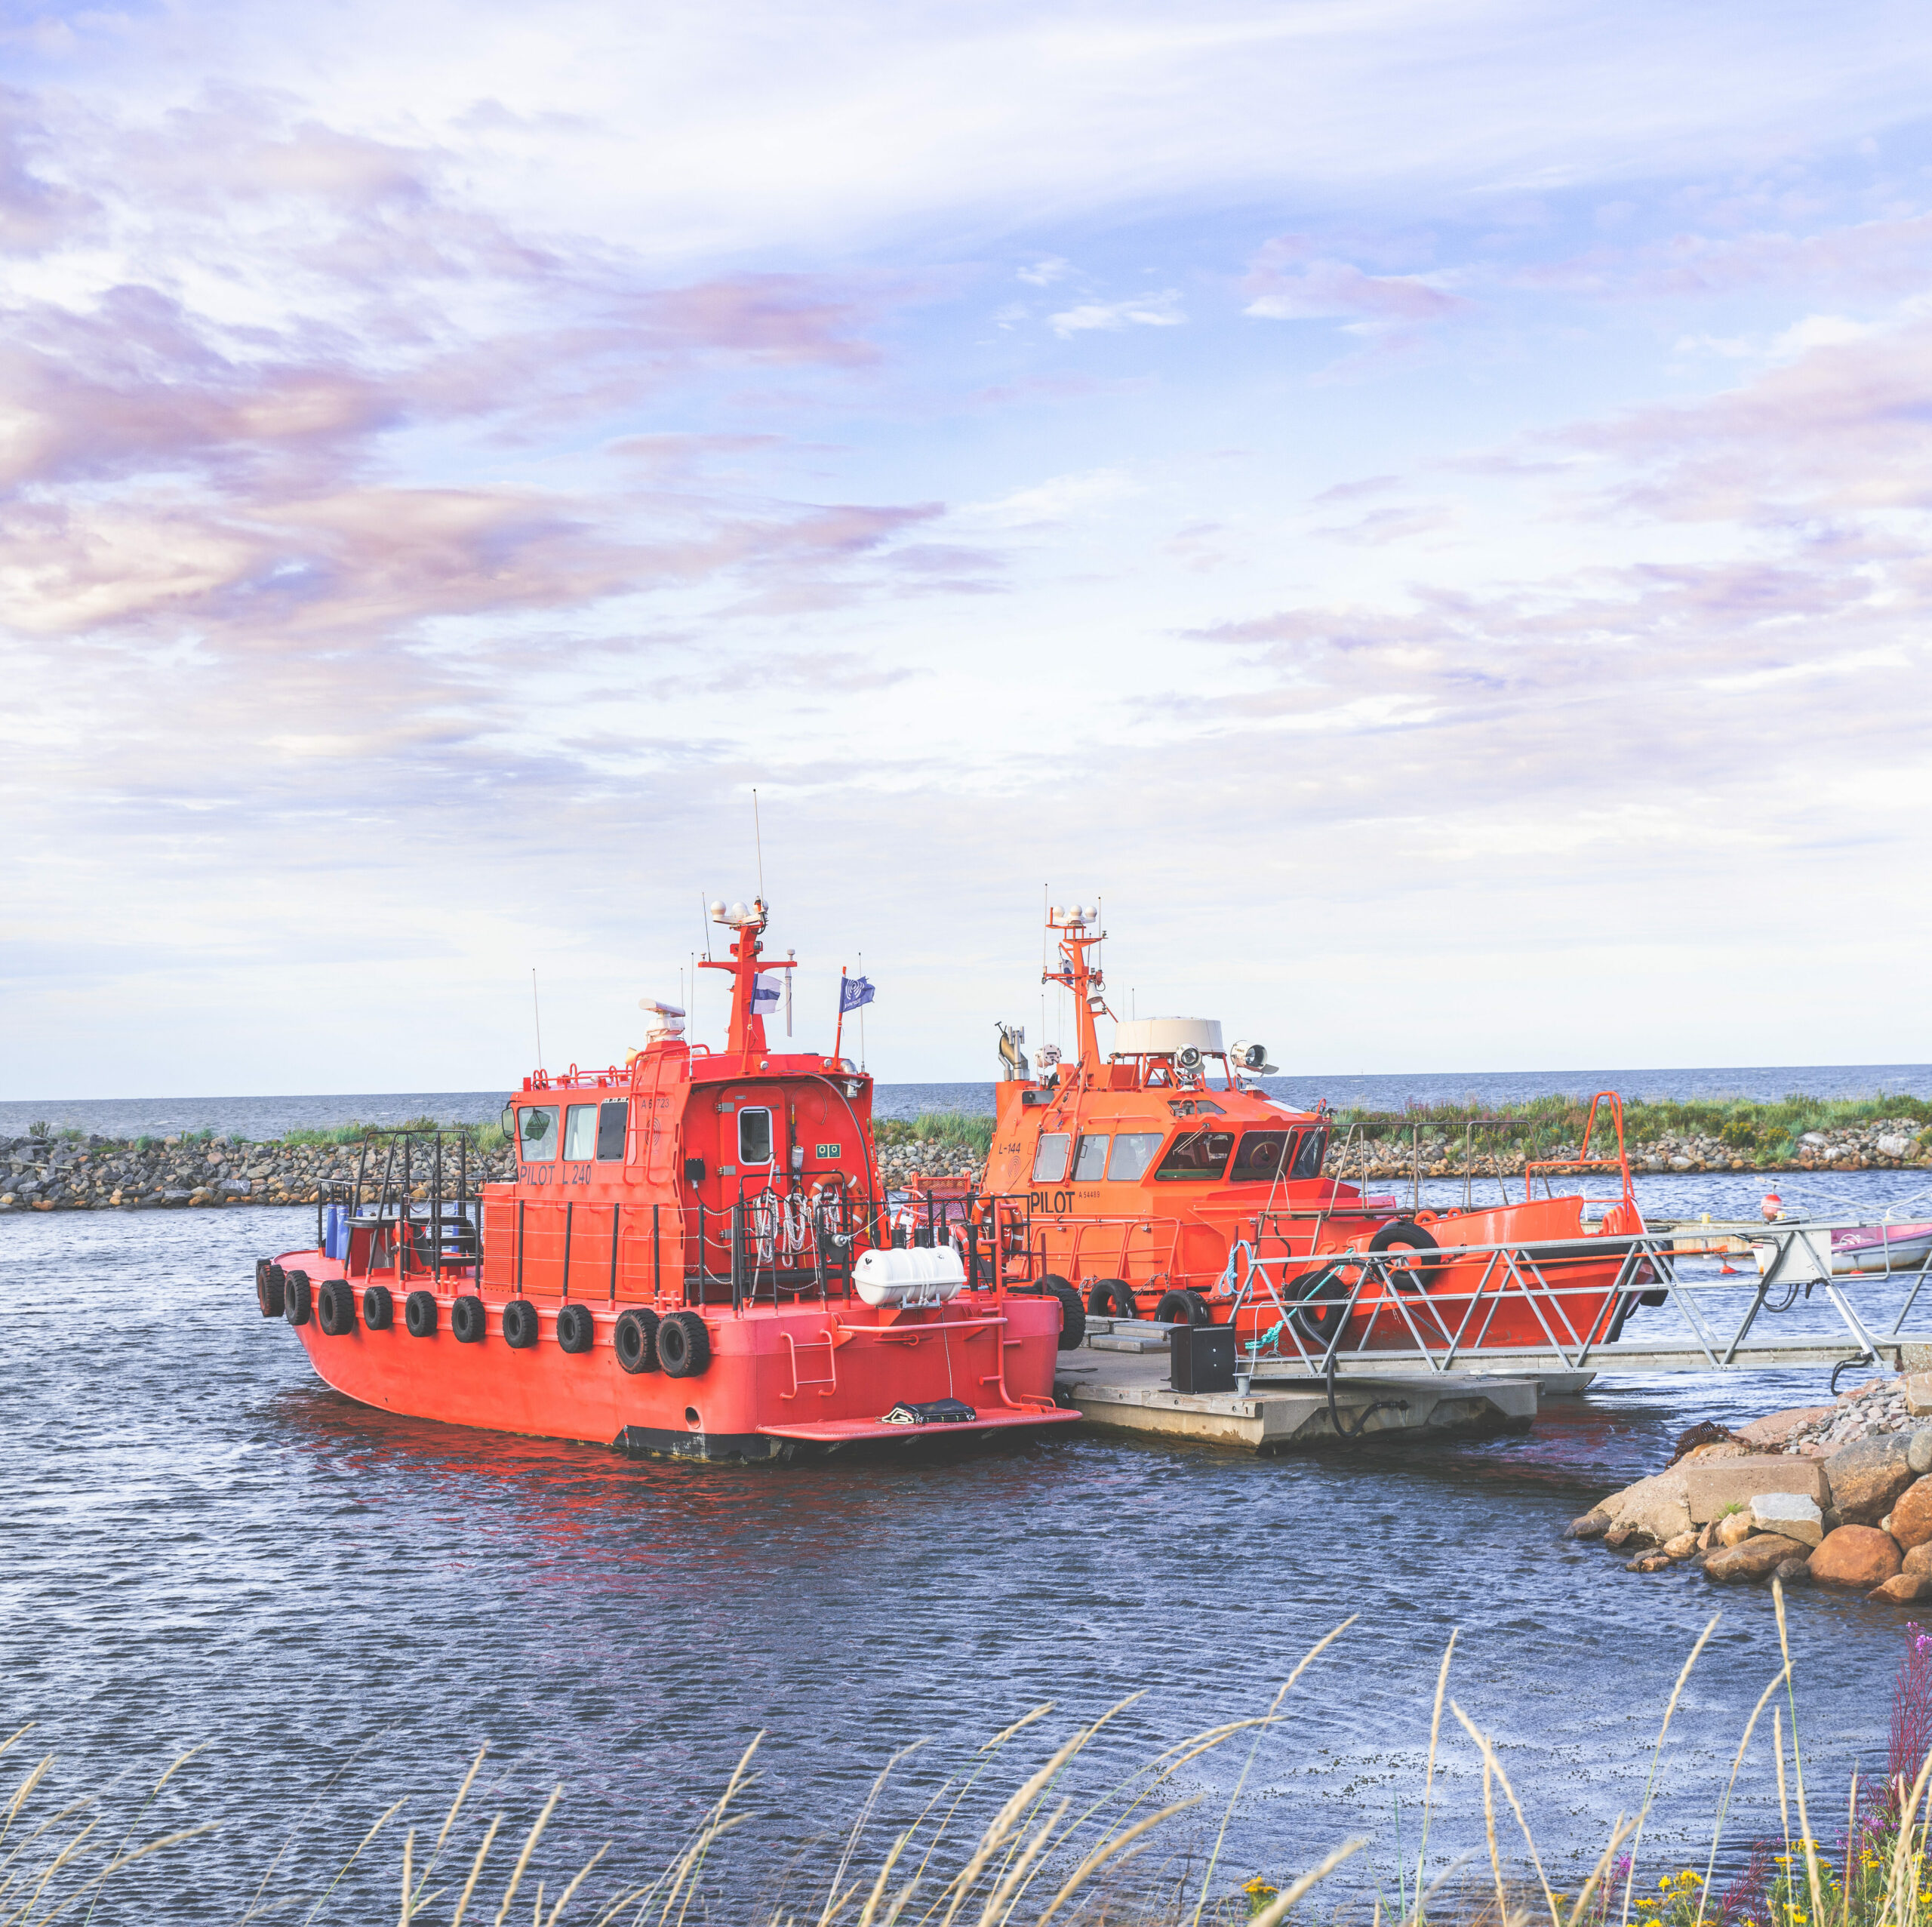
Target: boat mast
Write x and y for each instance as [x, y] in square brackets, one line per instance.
[746, 1033]
[1079, 977]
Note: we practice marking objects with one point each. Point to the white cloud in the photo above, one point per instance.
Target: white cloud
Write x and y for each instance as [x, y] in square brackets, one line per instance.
[1161, 310]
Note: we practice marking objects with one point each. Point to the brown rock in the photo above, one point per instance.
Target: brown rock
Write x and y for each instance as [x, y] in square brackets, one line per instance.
[1710, 1490]
[1794, 1572]
[1867, 1476]
[1593, 1525]
[1918, 1559]
[1733, 1528]
[1911, 1514]
[1682, 1546]
[1656, 1561]
[1902, 1589]
[1858, 1555]
[1757, 1558]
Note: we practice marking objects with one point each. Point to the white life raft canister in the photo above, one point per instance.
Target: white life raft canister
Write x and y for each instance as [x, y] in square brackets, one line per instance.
[924, 1275]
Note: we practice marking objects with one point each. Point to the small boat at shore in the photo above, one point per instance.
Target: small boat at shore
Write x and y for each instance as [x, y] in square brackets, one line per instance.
[1880, 1248]
[694, 1259]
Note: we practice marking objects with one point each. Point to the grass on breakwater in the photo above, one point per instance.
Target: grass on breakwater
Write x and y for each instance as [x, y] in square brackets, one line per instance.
[1745, 1125]
[1135, 1848]
[961, 1127]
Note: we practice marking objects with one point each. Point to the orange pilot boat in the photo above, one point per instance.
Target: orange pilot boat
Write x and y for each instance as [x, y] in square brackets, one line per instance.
[1157, 1181]
[692, 1260]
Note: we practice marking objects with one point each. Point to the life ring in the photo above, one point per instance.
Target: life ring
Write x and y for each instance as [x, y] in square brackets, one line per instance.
[684, 1345]
[1320, 1302]
[467, 1320]
[296, 1299]
[521, 1325]
[635, 1339]
[378, 1308]
[577, 1330]
[268, 1286]
[419, 1314]
[1182, 1308]
[1406, 1235]
[335, 1307]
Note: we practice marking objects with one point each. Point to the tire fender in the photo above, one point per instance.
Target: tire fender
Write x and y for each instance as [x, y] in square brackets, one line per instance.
[684, 1345]
[419, 1314]
[467, 1320]
[635, 1341]
[577, 1330]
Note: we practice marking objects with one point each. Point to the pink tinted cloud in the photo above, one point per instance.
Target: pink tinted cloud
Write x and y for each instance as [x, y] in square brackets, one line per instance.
[1286, 281]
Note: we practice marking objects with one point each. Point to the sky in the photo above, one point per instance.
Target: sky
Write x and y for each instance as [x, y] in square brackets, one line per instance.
[1419, 511]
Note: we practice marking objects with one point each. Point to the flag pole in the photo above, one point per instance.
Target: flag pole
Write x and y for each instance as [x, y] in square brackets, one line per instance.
[838, 1035]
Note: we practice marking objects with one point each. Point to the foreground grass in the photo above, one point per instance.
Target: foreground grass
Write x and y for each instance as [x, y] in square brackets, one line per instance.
[1137, 1851]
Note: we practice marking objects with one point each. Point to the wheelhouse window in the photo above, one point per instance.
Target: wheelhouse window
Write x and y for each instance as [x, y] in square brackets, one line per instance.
[755, 1136]
[1090, 1164]
[1309, 1152]
[612, 1120]
[579, 1132]
[1261, 1158]
[1195, 1157]
[536, 1134]
[1050, 1160]
[1132, 1152]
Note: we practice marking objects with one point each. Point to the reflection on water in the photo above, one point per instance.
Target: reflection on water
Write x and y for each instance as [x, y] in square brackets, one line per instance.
[204, 1543]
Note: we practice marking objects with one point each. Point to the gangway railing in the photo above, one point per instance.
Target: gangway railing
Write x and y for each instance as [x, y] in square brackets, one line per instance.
[1369, 1314]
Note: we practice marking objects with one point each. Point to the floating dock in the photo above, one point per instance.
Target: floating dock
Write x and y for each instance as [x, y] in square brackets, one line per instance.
[1119, 1378]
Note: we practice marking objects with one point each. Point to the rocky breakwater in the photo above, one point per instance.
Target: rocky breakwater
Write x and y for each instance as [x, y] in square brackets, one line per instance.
[1883, 1144]
[1829, 1495]
[97, 1173]
[902, 1166]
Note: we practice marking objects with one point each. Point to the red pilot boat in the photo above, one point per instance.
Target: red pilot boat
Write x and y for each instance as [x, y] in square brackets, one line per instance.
[1157, 1188]
[692, 1260]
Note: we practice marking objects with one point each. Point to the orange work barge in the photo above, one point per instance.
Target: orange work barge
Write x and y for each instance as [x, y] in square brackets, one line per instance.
[692, 1260]
[1159, 1182]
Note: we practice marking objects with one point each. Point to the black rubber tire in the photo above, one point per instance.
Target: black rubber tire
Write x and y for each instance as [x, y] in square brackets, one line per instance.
[1320, 1302]
[636, 1341]
[1073, 1313]
[521, 1326]
[335, 1308]
[577, 1330]
[467, 1320]
[1096, 1296]
[268, 1286]
[1116, 1297]
[1404, 1235]
[684, 1345]
[379, 1308]
[297, 1300]
[419, 1314]
[1182, 1308]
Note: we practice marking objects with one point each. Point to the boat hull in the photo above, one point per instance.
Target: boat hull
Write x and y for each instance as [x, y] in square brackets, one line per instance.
[781, 1383]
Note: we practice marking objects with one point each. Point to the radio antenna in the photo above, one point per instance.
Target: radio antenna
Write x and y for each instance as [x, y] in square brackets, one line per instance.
[536, 1011]
[757, 837]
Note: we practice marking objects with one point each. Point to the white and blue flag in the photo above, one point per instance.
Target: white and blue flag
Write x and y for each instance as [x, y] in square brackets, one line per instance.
[853, 991]
[766, 992]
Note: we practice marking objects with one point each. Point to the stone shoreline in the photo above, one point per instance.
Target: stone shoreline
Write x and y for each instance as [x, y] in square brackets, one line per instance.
[42, 1174]
[99, 1173]
[1834, 1495]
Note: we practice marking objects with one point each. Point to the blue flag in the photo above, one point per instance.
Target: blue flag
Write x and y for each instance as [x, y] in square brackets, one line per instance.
[852, 991]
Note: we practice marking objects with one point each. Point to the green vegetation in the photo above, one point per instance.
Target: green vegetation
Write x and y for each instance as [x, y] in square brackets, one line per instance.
[1770, 1129]
[936, 1127]
[483, 1138]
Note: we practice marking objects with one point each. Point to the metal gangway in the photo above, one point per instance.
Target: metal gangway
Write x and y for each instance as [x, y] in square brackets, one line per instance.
[1399, 1313]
